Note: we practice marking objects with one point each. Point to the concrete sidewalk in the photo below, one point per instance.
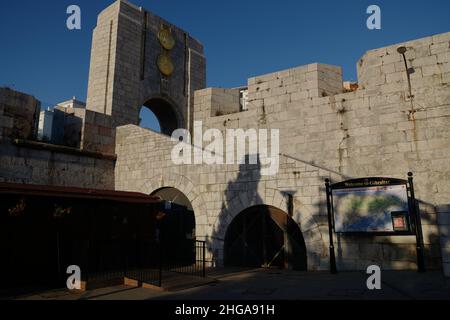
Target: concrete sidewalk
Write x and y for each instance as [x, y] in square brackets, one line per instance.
[281, 285]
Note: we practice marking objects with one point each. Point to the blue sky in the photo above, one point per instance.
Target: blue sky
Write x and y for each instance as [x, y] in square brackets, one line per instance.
[40, 56]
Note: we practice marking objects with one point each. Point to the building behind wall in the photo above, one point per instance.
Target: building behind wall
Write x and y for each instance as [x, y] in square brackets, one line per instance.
[24, 158]
[62, 124]
[327, 130]
[45, 127]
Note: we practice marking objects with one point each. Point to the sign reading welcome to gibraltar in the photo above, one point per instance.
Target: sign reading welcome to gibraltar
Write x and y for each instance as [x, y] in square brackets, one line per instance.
[371, 205]
[375, 206]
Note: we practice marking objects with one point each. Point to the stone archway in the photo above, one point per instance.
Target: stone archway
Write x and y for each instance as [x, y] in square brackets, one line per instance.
[176, 226]
[314, 237]
[166, 112]
[264, 236]
[123, 74]
[184, 185]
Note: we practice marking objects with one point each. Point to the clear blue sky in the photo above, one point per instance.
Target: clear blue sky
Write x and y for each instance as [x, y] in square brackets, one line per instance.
[242, 38]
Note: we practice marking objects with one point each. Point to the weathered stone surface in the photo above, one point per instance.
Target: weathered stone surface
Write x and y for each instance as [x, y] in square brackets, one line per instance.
[20, 164]
[369, 132]
[19, 116]
[124, 75]
[381, 129]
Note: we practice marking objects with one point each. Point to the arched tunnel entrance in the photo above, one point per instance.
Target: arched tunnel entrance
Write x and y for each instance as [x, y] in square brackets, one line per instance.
[176, 225]
[164, 113]
[264, 236]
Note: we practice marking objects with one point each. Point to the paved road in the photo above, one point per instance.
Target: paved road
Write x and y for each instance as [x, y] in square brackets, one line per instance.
[282, 285]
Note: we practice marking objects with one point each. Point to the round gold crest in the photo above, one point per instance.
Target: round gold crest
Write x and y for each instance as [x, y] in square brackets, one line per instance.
[166, 39]
[165, 65]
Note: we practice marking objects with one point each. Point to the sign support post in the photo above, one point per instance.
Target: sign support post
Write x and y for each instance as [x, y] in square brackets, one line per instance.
[418, 226]
[333, 268]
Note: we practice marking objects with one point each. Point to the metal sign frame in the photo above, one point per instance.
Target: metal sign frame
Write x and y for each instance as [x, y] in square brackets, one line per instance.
[415, 224]
[368, 183]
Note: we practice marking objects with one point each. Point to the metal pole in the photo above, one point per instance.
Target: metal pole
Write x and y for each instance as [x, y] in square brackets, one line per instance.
[418, 226]
[85, 271]
[402, 50]
[204, 257]
[264, 242]
[160, 262]
[287, 245]
[333, 269]
[58, 255]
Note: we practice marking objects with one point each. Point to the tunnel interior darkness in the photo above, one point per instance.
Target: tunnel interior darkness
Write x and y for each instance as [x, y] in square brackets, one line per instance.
[180, 218]
[264, 236]
[168, 119]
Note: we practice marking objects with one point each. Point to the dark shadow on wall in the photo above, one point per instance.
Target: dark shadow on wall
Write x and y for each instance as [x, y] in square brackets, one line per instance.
[260, 235]
[357, 252]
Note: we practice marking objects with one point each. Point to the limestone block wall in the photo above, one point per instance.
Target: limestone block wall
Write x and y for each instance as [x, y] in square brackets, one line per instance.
[98, 133]
[19, 114]
[35, 164]
[428, 58]
[324, 133]
[23, 160]
[103, 56]
[216, 102]
[217, 193]
[124, 74]
[444, 229]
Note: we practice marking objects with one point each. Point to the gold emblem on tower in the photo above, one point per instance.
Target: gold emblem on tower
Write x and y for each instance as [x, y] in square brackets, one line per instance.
[164, 62]
[165, 65]
[166, 39]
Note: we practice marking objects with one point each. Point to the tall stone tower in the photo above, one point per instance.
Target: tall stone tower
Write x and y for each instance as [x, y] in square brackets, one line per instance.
[139, 59]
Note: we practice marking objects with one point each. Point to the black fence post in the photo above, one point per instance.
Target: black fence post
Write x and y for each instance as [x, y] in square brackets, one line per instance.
[333, 268]
[124, 257]
[204, 258]
[418, 226]
[160, 264]
[85, 272]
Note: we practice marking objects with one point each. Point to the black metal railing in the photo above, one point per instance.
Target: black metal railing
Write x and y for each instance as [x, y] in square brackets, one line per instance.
[146, 261]
[190, 262]
[105, 260]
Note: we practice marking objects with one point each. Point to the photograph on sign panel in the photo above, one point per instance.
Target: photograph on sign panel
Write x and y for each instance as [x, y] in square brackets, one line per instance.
[368, 209]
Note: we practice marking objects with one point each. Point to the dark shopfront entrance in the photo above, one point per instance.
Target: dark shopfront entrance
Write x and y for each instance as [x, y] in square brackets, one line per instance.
[43, 230]
[264, 236]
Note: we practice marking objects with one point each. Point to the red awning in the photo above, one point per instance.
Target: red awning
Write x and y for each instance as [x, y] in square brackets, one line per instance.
[69, 192]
